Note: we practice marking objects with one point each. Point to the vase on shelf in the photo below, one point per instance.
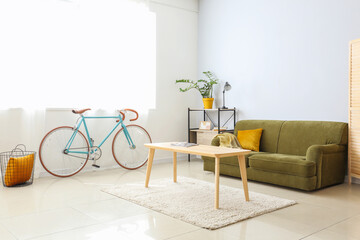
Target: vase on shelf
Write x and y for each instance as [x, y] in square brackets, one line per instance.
[208, 103]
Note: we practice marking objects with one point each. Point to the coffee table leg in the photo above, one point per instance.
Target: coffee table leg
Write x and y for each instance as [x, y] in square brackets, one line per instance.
[242, 165]
[217, 173]
[149, 165]
[175, 163]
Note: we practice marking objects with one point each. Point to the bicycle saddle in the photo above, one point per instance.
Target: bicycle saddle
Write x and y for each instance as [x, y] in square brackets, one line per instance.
[80, 111]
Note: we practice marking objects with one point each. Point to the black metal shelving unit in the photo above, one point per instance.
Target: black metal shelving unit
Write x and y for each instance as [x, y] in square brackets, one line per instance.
[206, 117]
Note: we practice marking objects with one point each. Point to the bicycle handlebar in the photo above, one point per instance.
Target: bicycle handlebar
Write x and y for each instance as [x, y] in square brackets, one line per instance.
[131, 110]
[122, 114]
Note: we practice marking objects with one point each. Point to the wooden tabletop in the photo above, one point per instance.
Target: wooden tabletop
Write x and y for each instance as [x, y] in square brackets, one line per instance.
[203, 150]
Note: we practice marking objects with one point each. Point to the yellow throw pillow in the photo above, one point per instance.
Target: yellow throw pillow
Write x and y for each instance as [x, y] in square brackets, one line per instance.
[250, 139]
[19, 170]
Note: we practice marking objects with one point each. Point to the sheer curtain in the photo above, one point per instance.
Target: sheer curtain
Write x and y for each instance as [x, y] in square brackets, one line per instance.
[60, 54]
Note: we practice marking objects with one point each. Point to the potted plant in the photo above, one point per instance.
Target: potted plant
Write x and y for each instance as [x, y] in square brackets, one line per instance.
[205, 87]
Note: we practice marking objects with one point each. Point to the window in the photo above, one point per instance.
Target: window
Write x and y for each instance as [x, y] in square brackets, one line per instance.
[81, 53]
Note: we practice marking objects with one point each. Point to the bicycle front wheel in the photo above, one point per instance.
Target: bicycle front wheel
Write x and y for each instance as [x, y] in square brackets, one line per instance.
[127, 156]
[56, 160]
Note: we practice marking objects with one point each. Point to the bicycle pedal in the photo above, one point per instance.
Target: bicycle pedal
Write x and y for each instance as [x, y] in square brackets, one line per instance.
[95, 165]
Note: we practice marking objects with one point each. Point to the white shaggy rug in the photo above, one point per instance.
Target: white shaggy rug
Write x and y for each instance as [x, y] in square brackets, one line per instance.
[192, 201]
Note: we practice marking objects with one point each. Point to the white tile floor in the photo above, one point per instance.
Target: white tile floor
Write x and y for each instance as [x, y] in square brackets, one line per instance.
[75, 208]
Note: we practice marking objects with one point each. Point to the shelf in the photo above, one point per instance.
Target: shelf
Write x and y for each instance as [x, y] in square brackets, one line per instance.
[200, 130]
[202, 136]
[213, 109]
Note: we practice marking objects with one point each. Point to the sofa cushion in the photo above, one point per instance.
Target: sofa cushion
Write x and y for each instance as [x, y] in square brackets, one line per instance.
[297, 136]
[283, 163]
[250, 139]
[232, 161]
[270, 134]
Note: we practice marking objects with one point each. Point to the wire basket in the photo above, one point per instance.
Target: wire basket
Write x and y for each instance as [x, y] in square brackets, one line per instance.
[17, 167]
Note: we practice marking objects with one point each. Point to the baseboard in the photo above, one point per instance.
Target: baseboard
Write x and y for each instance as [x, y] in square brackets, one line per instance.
[353, 180]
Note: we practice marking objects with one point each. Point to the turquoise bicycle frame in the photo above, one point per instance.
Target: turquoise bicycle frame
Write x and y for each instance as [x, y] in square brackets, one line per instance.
[127, 135]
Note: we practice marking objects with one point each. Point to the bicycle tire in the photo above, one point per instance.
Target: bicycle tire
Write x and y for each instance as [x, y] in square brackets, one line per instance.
[53, 158]
[127, 157]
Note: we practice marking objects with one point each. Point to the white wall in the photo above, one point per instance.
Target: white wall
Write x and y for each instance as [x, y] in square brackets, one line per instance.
[176, 56]
[284, 59]
[177, 31]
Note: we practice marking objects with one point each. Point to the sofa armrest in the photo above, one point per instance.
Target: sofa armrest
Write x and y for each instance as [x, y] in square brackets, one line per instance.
[330, 162]
[315, 152]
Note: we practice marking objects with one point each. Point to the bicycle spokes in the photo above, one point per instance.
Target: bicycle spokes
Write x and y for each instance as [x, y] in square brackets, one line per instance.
[60, 162]
[134, 155]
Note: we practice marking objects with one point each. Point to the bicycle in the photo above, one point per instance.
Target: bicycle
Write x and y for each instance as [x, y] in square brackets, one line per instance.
[64, 151]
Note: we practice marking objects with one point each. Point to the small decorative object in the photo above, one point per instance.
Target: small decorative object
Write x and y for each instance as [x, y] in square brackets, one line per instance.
[250, 139]
[205, 87]
[17, 166]
[227, 87]
[205, 125]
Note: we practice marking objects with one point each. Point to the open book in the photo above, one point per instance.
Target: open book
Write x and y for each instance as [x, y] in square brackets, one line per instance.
[184, 144]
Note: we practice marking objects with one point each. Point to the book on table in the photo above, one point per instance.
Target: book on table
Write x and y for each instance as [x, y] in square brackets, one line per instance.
[184, 144]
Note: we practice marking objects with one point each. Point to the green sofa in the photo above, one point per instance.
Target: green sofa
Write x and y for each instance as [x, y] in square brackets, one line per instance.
[307, 155]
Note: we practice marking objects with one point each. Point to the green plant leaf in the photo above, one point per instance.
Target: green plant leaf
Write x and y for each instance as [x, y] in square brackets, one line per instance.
[205, 87]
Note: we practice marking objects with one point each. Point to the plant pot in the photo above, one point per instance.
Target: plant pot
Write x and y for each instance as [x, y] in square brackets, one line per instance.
[208, 103]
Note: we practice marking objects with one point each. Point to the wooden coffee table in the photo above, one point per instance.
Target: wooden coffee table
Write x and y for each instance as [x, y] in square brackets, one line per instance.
[202, 150]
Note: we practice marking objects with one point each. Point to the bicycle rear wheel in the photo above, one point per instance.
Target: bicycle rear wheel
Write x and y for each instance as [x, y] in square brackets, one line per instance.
[52, 153]
[126, 156]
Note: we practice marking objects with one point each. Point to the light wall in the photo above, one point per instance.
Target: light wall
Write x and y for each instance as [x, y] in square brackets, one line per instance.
[177, 48]
[176, 56]
[284, 59]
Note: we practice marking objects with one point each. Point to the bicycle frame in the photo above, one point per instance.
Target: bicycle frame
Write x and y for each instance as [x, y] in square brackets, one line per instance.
[68, 145]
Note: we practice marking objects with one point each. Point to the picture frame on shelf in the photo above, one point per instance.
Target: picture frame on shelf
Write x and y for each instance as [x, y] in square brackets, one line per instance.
[205, 125]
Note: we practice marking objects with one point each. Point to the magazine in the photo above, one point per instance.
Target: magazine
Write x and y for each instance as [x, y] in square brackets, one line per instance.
[184, 144]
